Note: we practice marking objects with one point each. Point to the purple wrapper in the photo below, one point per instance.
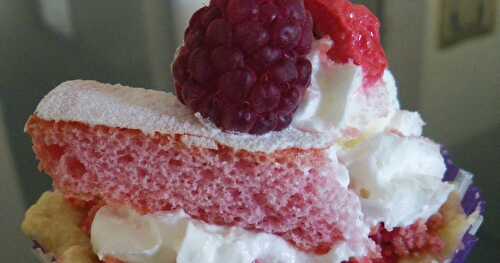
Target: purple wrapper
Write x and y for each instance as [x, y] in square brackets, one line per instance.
[471, 202]
[451, 169]
[42, 255]
[469, 242]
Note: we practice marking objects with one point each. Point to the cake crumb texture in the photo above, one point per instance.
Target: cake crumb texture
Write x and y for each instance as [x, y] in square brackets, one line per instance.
[455, 225]
[293, 193]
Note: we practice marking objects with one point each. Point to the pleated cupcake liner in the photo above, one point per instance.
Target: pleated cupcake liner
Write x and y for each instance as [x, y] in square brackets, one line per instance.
[472, 202]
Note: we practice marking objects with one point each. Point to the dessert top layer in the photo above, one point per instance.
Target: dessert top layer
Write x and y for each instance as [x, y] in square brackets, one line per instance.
[150, 111]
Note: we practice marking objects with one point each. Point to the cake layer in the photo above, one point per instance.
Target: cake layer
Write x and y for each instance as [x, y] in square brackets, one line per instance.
[292, 193]
[153, 112]
[50, 218]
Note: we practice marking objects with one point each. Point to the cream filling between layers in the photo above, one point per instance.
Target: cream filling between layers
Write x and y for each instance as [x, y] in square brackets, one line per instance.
[175, 237]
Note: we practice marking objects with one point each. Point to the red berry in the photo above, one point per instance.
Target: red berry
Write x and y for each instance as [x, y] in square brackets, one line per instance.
[283, 121]
[193, 38]
[209, 15]
[194, 22]
[192, 93]
[251, 35]
[199, 65]
[355, 32]
[243, 63]
[293, 8]
[290, 100]
[240, 10]
[284, 72]
[227, 59]
[264, 124]
[266, 56]
[269, 12]
[286, 35]
[265, 97]
[234, 86]
[304, 70]
[218, 33]
[242, 119]
[221, 4]
[307, 37]
[179, 66]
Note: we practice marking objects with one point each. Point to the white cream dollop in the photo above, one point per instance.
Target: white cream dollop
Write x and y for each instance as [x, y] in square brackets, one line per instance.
[398, 179]
[337, 99]
[176, 238]
[406, 123]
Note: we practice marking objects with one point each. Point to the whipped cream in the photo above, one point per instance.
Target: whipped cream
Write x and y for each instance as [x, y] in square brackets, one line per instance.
[406, 123]
[397, 178]
[175, 237]
[338, 100]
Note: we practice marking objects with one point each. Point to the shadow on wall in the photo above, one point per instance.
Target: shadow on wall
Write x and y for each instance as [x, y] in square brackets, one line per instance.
[15, 247]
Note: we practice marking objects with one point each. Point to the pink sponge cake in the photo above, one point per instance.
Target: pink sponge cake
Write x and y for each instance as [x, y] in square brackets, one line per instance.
[284, 142]
[294, 193]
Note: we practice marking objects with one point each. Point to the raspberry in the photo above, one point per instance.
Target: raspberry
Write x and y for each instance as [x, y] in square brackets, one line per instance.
[243, 64]
[355, 32]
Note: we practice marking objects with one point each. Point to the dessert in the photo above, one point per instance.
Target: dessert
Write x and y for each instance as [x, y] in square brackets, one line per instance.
[284, 142]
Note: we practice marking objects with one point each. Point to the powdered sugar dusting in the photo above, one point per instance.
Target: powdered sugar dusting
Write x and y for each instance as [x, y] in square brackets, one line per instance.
[153, 111]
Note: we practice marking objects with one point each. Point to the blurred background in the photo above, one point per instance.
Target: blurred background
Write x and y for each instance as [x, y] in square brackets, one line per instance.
[445, 55]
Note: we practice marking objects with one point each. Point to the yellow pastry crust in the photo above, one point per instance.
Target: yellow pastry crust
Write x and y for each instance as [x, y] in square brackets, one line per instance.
[55, 225]
[456, 224]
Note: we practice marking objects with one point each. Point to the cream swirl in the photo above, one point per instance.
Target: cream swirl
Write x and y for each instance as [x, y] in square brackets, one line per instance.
[175, 237]
[397, 178]
[337, 99]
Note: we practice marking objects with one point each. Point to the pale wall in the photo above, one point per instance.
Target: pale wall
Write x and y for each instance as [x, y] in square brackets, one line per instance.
[457, 90]
[460, 86]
